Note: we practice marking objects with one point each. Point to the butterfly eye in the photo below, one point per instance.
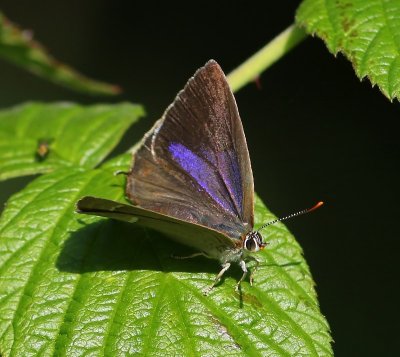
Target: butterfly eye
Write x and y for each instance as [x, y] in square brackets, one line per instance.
[251, 244]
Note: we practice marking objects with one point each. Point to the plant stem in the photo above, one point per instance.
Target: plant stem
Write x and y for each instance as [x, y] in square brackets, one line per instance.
[249, 70]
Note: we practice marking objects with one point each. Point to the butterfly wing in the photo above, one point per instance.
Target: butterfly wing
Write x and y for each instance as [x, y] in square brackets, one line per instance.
[211, 242]
[195, 164]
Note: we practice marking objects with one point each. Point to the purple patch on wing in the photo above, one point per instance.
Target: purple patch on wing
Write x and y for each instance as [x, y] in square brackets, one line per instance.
[228, 168]
[202, 170]
[230, 172]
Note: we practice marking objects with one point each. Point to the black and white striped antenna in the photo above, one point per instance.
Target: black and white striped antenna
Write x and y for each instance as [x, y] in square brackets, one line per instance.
[308, 210]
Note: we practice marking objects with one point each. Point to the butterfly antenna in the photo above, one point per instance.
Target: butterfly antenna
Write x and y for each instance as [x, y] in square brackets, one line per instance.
[308, 210]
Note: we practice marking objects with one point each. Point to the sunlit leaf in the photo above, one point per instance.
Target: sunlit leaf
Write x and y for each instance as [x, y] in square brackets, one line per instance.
[76, 285]
[366, 32]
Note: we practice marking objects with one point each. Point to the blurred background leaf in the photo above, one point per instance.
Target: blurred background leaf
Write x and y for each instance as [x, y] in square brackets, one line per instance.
[19, 47]
[366, 32]
[72, 135]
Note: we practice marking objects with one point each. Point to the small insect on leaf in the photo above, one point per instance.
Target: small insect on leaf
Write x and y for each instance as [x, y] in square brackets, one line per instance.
[43, 149]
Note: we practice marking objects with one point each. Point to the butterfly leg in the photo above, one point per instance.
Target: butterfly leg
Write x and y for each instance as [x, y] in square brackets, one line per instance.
[225, 267]
[253, 271]
[242, 264]
[121, 172]
[194, 255]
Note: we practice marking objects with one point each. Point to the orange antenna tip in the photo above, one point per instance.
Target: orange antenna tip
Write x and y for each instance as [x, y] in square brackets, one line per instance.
[318, 205]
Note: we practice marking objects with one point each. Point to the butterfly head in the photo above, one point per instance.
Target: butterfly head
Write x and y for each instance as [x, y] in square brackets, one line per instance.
[253, 242]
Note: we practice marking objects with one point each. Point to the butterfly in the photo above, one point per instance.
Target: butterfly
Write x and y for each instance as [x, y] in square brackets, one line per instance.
[191, 178]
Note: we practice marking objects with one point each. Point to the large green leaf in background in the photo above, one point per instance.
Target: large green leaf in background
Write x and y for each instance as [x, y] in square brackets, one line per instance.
[77, 135]
[19, 47]
[367, 32]
[73, 285]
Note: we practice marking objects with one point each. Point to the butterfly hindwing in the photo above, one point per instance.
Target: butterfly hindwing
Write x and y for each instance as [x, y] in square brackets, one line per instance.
[199, 237]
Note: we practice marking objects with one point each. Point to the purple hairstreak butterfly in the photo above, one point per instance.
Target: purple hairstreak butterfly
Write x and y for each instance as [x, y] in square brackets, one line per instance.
[191, 177]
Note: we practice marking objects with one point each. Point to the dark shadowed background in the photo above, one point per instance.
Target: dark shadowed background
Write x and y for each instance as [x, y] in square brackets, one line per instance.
[314, 131]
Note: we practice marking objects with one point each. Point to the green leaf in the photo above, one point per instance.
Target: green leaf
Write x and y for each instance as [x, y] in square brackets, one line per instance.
[366, 32]
[76, 135]
[78, 285]
[18, 47]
